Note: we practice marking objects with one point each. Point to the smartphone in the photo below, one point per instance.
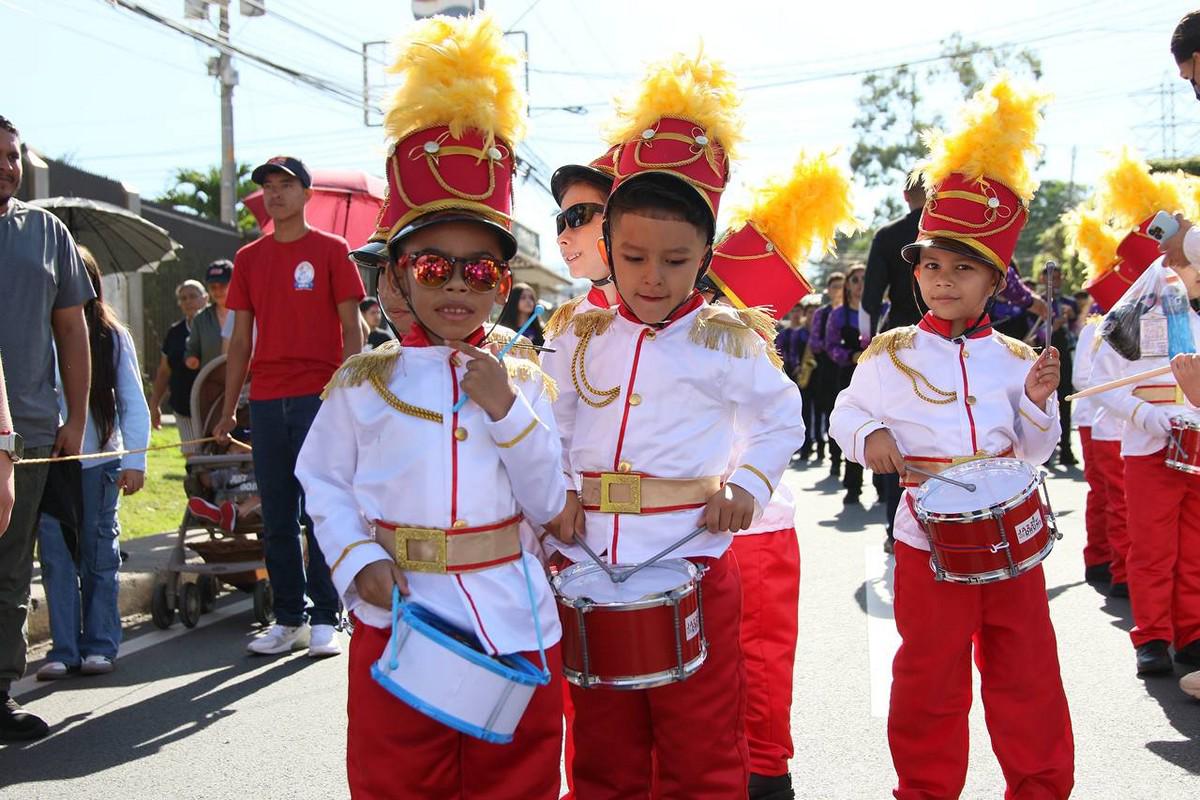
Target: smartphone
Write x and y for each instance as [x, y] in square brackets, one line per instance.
[1163, 227]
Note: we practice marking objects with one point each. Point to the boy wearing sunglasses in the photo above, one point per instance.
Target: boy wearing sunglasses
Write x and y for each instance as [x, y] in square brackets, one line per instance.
[943, 392]
[409, 490]
[657, 389]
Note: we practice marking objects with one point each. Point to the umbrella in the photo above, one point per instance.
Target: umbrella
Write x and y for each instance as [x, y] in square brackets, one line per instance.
[120, 240]
[345, 202]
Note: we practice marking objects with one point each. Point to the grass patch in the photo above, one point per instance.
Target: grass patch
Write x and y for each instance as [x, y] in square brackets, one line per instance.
[158, 507]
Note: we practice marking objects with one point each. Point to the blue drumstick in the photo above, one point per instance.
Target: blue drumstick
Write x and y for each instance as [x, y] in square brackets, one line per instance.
[538, 311]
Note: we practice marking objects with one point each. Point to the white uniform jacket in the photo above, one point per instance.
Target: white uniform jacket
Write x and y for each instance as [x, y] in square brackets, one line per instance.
[670, 401]
[1106, 426]
[943, 400]
[376, 455]
[1145, 408]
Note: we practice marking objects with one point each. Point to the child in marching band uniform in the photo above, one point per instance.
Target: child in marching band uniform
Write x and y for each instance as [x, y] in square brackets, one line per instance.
[755, 265]
[406, 489]
[947, 390]
[656, 391]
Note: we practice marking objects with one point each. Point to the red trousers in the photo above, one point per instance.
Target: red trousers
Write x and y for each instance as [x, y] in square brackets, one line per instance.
[770, 567]
[1108, 473]
[695, 728]
[1164, 551]
[1097, 550]
[395, 752]
[1007, 623]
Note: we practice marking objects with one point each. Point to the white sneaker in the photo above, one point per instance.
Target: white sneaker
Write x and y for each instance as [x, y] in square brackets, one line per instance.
[53, 671]
[324, 642]
[281, 639]
[96, 665]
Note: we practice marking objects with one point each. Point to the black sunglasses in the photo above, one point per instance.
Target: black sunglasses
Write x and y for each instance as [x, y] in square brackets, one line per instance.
[578, 215]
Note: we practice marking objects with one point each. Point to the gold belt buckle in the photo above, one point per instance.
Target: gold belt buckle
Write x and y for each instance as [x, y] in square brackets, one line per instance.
[632, 484]
[430, 540]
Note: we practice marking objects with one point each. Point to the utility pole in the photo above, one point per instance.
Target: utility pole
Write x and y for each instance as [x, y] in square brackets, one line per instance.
[222, 66]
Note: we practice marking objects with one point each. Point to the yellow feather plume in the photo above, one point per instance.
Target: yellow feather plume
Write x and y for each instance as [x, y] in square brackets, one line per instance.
[694, 88]
[1128, 193]
[993, 136]
[1189, 187]
[459, 73]
[1092, 239]
[802, 210]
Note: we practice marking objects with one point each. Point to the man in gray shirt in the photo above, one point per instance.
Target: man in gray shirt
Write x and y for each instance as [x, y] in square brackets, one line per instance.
[45, 288]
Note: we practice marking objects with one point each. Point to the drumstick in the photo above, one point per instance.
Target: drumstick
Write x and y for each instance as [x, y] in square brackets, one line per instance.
[1119, 382]
[612, 575]
[538, 311]
[970, 487]
[624, 576]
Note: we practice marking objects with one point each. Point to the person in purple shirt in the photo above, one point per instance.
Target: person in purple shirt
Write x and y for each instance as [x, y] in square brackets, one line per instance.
[824, 386]
[791, 343]
[847, 334]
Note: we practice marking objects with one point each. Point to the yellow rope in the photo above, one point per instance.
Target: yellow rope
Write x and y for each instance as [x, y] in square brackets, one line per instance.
[119, 453]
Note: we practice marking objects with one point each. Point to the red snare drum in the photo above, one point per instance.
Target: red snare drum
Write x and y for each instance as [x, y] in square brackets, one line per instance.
[1001, 530]
[1183, 448]
[646, 632]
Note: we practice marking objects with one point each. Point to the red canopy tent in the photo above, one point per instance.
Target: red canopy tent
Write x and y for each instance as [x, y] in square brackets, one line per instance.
[345, 202]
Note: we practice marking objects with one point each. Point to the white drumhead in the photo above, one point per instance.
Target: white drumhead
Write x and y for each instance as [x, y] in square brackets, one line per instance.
[996, 480]
[588, 580]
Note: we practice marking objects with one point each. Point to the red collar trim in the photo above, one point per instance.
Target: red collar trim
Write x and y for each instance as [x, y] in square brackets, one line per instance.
[418, 337]
[694, 301]
[598, 298]
[941, 327]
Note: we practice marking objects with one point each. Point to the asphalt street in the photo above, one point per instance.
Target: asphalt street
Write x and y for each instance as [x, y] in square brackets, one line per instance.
[188, 714]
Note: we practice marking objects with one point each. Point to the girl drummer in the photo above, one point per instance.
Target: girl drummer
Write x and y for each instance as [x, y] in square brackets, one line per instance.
[950, 390]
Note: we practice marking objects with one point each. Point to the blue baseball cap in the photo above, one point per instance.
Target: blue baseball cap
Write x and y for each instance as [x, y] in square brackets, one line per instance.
[286, 164]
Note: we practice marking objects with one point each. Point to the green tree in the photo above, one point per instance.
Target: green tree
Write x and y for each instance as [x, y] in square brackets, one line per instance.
[1053, 199]
[893, 108]
[199, 193]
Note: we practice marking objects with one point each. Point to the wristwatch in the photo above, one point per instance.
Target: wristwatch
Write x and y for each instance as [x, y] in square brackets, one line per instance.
[12, 444]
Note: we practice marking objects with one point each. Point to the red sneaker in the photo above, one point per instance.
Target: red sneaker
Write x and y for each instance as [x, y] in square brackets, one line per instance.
[202, 509]
[228, 516]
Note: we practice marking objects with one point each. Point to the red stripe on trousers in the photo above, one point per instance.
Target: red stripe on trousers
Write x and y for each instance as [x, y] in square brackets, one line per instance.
[1163, 566]
[396, 752]
[1109, 470]
[1097, 550]
[696, 728]
[770, 567]
[1007, 623]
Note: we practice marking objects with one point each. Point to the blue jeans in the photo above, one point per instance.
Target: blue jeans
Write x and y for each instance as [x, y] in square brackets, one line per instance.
[278, 428]
[85, 619]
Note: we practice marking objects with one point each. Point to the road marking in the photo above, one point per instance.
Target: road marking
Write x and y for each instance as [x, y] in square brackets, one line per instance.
[882, 637]
[30, 682]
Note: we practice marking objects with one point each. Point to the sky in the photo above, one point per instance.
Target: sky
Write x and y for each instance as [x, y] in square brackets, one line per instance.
[125, 97]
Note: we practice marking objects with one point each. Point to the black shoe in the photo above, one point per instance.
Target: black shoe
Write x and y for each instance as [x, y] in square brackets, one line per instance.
[889, 546]
[1120, 589]
[778, 787]
[1153, 658]
[17, 724]
[1189, 654]
[806, 452]
[1067, 459]
[1097, 573]
[835, 469]
[820, 451]
[851, 499]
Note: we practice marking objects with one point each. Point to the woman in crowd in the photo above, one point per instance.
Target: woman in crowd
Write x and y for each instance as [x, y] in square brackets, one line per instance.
[205, 341]
[520, 305]
[847, 334]
[85, 620]
[174, 378]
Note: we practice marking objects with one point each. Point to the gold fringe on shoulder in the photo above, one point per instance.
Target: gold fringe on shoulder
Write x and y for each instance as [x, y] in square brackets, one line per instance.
[740, 333]
[376, 365]
[1017, 347]
[523, 370]
[524, 348]
[593, 323]
[890, 341]
[562, 317]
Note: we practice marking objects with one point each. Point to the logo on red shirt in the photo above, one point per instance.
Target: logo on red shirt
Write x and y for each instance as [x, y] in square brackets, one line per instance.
[303, 277]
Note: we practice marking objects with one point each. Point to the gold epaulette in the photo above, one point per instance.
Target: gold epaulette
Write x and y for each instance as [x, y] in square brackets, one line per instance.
[1017, 347]
[738, 332]
[376, 365]
[521, 370]
[562, 317]
[593, 323]
[890, 341]
[524, 348]
[1093, 319]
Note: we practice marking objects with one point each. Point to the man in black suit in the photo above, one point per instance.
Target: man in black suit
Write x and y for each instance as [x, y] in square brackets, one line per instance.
[888, 273]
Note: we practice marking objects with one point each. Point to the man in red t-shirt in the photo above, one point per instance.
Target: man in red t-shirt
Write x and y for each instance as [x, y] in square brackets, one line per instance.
[295, 293]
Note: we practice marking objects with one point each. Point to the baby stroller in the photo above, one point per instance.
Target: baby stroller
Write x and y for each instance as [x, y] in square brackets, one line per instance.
[217, 473]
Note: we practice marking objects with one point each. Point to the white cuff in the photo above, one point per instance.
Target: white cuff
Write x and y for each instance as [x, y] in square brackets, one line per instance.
[858, 444]
[1039, 418]
[351, 561]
